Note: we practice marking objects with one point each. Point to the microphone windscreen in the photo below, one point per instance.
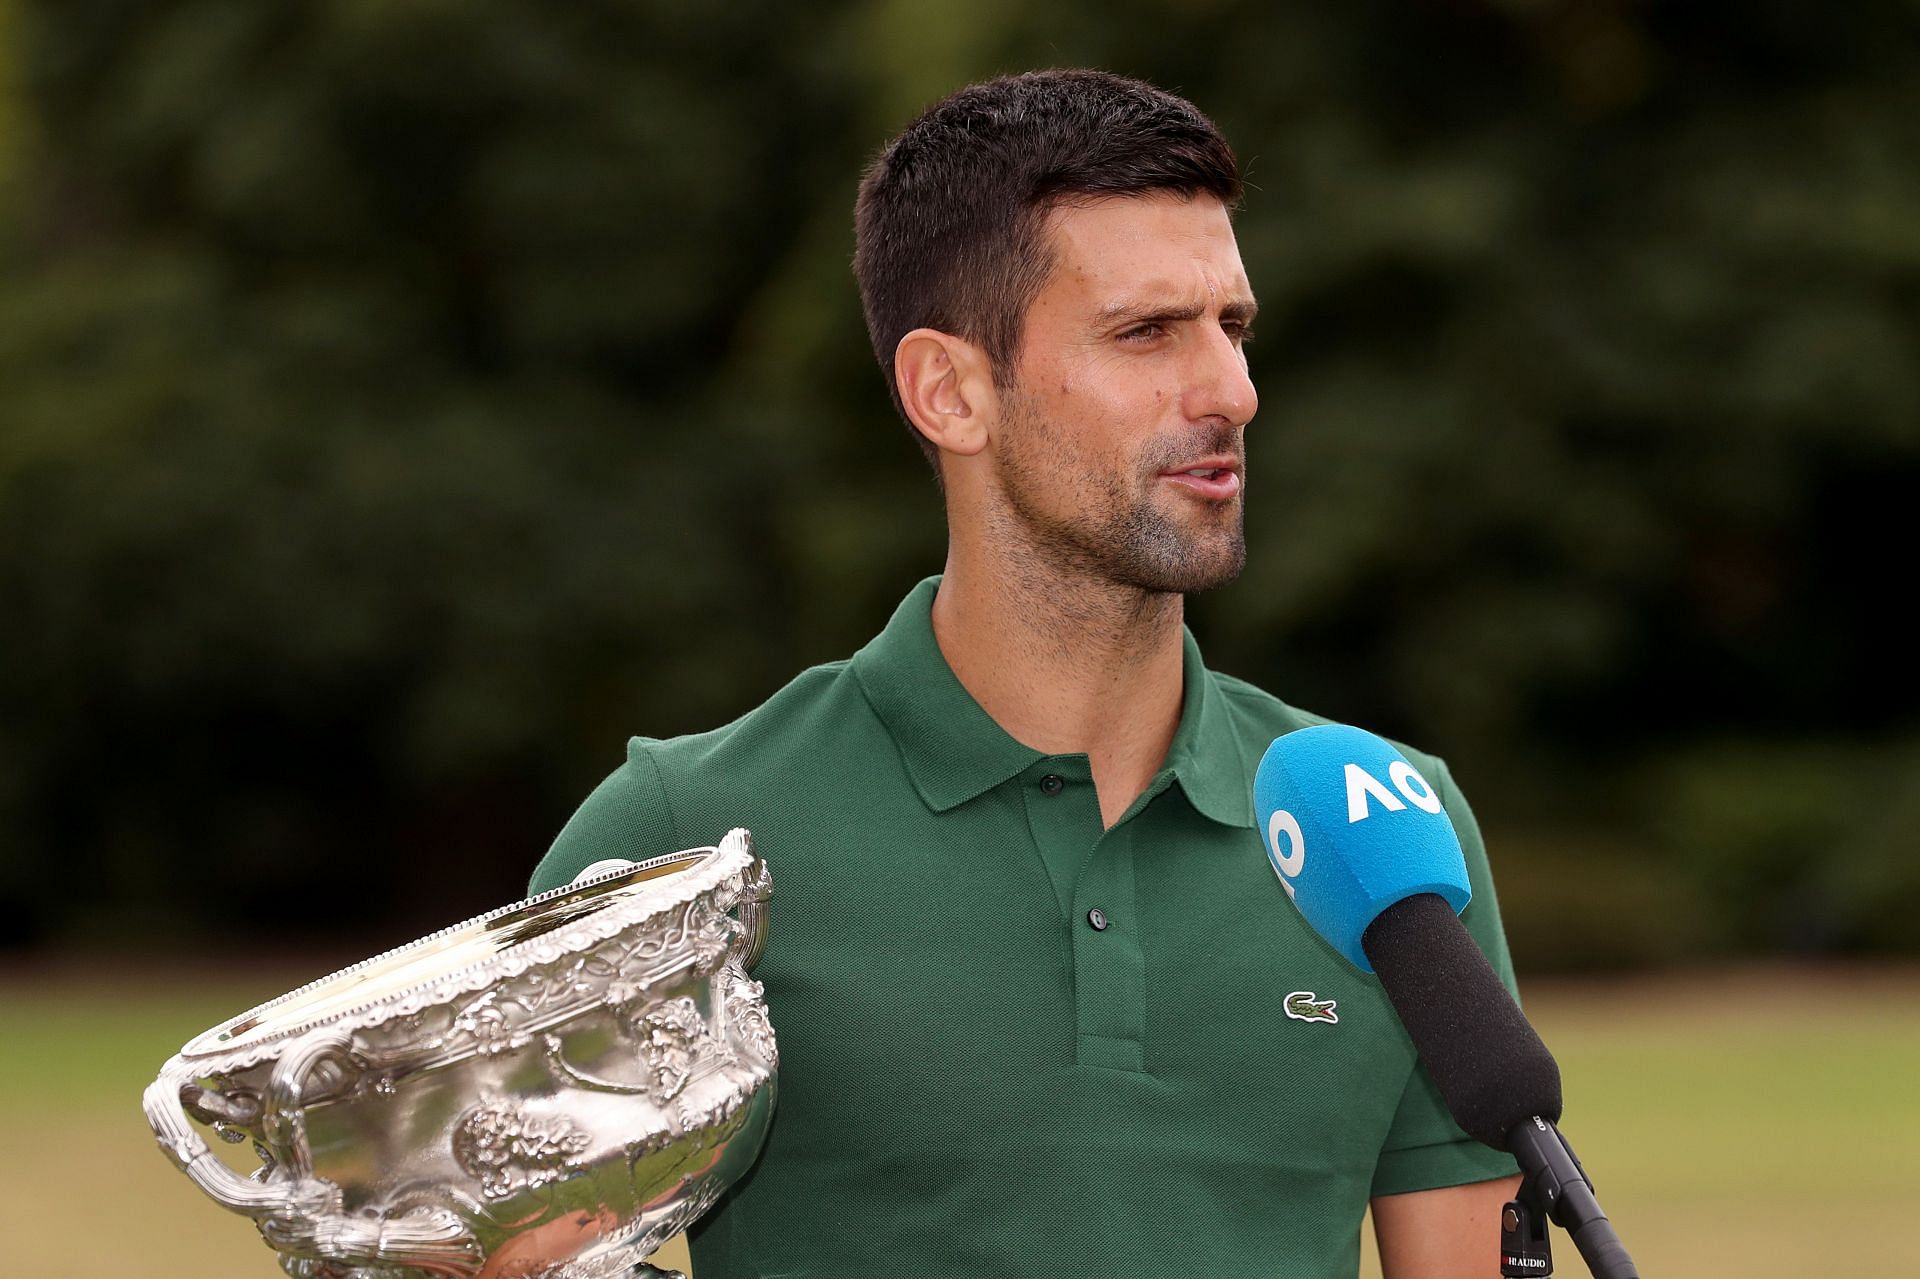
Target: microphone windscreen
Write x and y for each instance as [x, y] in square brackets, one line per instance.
[1351, 828]
[1481, 1051]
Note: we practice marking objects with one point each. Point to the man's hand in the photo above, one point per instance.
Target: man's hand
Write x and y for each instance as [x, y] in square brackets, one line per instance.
[1450, 1233]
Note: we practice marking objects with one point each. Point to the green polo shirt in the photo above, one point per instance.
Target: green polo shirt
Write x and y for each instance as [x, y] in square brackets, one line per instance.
[979, 1074]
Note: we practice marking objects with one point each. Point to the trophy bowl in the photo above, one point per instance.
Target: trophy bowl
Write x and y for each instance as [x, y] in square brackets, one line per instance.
[549, 1090]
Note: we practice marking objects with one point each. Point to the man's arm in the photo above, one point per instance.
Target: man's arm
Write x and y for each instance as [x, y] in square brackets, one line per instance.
[1449, 1233]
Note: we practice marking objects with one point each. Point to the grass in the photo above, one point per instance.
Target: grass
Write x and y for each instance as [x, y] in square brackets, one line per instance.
[1755, 1124]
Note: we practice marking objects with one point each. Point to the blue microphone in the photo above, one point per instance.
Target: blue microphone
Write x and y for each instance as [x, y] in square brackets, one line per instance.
[1351, 828]
[1366, 852]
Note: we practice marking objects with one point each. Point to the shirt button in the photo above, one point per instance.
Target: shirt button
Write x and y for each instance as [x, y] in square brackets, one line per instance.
[1052, 784]
[1098, 918]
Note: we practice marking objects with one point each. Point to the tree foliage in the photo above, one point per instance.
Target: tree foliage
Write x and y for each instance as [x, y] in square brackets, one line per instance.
[401, 404]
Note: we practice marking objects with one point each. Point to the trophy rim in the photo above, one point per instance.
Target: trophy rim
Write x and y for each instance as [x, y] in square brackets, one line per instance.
[638, 891]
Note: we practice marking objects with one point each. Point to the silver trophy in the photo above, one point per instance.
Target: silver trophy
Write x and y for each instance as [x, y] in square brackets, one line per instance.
[549, 1090]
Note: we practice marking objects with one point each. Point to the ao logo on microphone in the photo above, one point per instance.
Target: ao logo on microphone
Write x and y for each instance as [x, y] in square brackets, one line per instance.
[1350, 827]
[1287, 844]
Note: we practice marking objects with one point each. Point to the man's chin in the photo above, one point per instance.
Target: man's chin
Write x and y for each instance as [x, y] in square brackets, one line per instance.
[1225, 575]
[1192, 573]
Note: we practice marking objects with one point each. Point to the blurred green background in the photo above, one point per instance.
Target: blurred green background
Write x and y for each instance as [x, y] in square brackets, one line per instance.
[401, 403]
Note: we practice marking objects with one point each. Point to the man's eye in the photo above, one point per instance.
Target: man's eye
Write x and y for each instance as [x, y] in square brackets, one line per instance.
[1240, 333]
[1142, 333]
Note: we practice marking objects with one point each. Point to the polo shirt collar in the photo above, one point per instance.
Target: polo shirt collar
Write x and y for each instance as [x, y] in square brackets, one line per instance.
[954, 751]
[1206, 756]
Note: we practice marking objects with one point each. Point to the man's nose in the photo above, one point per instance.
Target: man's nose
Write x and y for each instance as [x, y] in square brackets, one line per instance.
[1217, 382]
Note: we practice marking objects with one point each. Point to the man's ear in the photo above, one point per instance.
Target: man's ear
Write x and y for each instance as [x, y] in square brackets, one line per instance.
[946, 387]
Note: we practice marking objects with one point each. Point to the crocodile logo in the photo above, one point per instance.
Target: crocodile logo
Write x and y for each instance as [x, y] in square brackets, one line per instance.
[1302, 1006]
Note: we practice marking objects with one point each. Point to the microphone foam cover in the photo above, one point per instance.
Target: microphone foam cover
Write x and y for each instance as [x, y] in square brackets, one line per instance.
[1351, 828]
[1481, 1051]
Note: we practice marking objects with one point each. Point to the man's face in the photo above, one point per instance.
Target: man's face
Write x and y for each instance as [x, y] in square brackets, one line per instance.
[1120, 450]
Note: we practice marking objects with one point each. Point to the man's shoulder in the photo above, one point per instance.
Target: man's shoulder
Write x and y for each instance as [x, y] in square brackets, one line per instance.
[813, 703]
[684, 792]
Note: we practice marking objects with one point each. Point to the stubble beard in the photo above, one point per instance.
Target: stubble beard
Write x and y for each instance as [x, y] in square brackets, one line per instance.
[1116, 533]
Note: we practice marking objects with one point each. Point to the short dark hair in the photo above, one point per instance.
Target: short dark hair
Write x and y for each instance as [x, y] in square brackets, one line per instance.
[949, 227]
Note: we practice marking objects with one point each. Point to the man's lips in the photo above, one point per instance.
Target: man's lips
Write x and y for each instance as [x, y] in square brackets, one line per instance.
[1214, 478]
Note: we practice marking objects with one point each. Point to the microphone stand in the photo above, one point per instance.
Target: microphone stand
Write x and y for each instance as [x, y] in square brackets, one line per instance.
[1554, 1186]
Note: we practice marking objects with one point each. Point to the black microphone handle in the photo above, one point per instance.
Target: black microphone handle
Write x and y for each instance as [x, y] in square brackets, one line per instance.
[1546, 1158]
[1479, 1048]
[1497, 1079]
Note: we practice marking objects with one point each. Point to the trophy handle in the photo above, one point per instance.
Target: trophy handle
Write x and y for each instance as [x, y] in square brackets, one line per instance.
[756, 887]
[320, 1061]
[297, 1212]
[181, 1143]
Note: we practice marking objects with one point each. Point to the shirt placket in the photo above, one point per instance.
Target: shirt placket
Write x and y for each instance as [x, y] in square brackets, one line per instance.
[1110, 981]
[1092, 874]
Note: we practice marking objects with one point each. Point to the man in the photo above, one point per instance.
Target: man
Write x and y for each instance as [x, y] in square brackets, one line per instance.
[1029, 967]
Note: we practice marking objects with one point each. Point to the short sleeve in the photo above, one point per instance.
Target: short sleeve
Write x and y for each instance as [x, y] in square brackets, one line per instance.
[1425, 1149]
[627, 815]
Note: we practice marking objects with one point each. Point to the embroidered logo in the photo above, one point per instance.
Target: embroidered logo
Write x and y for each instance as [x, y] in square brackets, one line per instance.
[1302, 1006]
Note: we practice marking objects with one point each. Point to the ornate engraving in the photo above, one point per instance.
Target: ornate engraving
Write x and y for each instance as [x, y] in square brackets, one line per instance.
[510, 1150]
[485, 1024]
[711, 941]
[747, 1019]
[508, 1015]
[670, 1038]
[713, 1123]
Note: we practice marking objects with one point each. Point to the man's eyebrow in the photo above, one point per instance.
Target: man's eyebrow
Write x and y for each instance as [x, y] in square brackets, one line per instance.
[1116, 314]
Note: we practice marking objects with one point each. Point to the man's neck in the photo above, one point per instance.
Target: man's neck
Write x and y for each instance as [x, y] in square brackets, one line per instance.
[1068, 666]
